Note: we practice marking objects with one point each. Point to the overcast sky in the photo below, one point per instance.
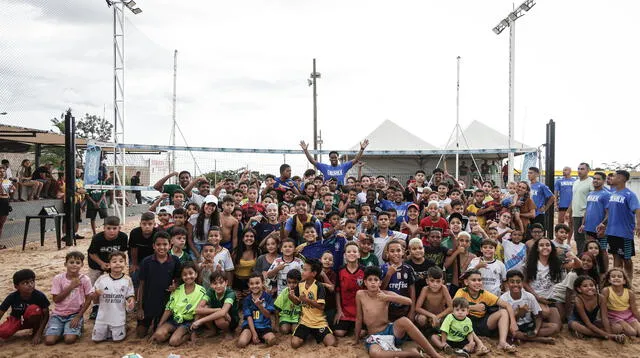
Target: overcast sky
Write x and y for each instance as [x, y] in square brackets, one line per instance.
[243, 65]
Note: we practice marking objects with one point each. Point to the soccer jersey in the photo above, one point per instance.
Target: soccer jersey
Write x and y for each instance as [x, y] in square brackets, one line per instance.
[437, 254]
[483, 296]
[564, 187]
[339, 171]
[456, 330]
[289, 312]
[427, 224]
[401, 208]
[369, 260]
[348, 284]
[228, 296]
[113, 298]
[312, 317]
[514, 255]
[281, 277]
[540, 193]
[596, 208]
[260, 321]
[523, 307]
[183, 305]
[492, 276]
[399, 283]
[622, 206]
[420, 272]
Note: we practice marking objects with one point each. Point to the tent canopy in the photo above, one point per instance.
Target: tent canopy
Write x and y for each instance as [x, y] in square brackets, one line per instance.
[34, 136]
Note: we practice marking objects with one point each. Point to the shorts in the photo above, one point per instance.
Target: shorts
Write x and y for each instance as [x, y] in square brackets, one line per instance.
[103, 331]
[61, 326]
[4, 207]
[176, 325]
[12, 325]
[148, 321]
[621, 247]
[619, 316]
[343, 325]
[303, 332]
[240, 284]
[92, 213]
[458, 345]
[388, 331]
[481, 328]
[527, 327]
[261, 332]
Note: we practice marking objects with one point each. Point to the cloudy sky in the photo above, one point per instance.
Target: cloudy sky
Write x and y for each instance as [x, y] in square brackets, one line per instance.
[243, 67]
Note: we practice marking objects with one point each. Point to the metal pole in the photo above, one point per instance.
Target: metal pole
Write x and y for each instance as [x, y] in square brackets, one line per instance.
[457, 117]
[70, 176]
[315, 111]
[320, 146]
[172, 162]
[550, 171]
[512, 69]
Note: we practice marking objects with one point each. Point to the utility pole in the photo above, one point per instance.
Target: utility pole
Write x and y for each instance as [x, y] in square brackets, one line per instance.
[172, 162]
[312, 82]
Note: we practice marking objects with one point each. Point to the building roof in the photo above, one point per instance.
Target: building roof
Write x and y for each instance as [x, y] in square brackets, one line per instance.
[480, 136]
[390, 136]
[33, 136]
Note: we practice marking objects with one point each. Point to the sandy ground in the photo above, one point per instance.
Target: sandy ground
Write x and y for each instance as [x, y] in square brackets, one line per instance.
[47, 261]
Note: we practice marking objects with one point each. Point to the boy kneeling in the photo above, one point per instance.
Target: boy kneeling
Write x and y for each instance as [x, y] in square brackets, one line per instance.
[372, 309]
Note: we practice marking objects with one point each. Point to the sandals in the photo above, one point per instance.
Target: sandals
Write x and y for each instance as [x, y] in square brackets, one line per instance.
[509, 348]
[483, 350]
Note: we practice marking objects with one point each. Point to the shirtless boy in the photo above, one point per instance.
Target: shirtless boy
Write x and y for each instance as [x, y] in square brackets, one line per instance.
[229, 224]
[372, 309]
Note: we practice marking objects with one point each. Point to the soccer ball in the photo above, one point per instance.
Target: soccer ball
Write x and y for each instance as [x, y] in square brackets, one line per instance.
[132, 355]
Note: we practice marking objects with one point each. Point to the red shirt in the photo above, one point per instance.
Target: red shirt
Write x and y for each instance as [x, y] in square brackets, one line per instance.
[251, 210]
[348, 284]
[427, 224]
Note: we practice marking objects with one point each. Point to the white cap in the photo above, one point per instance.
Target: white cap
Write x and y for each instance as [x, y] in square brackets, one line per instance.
[210, 199]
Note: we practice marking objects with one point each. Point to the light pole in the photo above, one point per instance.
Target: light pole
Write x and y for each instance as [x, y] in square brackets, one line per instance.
[312, 82]
[3, 113]
[118, 99]
[510, 21]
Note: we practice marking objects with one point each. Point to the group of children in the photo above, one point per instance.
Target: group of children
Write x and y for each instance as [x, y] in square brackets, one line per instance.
[440, 272]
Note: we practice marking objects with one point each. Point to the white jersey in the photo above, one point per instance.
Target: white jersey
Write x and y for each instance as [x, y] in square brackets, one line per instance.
[523, 307]
[282, 274]
[113, 299]
[492, 276]
[514, 255]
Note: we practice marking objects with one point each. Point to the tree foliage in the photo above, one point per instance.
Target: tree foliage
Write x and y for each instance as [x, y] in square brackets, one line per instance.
[89, 127]
[615, 165]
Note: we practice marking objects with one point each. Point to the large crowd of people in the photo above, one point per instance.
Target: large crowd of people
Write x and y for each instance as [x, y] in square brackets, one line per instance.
[360, 258]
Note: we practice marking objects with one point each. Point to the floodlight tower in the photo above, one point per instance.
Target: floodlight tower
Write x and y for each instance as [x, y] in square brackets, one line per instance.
[312, 82]
[118, 7]
[510, 22]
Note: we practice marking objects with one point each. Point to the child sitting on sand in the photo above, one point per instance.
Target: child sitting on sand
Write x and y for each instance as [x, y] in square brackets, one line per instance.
[456, 332]
[29, 307]
[372, 309]
[434, 302]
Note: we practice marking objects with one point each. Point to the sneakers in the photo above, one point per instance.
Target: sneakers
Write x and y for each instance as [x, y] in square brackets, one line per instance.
[94, 312]
[457, 352]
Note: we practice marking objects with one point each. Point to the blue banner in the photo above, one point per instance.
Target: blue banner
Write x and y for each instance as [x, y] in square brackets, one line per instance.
[528, 162]
[92, 164]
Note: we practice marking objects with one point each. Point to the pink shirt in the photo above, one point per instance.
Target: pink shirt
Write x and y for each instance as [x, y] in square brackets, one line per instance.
[74, 301]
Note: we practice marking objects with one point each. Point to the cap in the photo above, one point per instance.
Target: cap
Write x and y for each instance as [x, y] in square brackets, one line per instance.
[413, 206]
[210, 199]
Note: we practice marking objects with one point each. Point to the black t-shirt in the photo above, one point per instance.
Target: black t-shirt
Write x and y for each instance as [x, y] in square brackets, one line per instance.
[436, 254]
[37, 174]
[263, 229]
[157, 277]
[19, 305]
[135, 180]
[103, 247]
[420, 273]
[143, 244]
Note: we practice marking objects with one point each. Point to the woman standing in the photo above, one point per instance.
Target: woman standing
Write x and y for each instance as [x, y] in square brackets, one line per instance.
[6, 188]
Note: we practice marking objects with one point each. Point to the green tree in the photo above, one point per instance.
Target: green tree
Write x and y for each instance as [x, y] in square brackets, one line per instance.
[89, 127]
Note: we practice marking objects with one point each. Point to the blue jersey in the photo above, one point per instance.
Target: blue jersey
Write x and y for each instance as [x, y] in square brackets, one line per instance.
[401, 208]
[335, 245]
[338, 172]
[597, 201]
[622, 206]
[564, 187]
[540, 193]
[260, 321]
[400, 281]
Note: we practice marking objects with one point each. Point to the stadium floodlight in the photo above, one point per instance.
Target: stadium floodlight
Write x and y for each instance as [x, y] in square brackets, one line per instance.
[131, 5]
[510, 22]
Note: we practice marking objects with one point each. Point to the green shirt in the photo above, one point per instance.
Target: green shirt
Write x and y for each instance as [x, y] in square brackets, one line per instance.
[229, 296]
[183, 305]
[369, 260]
[476, 244]
[96, 194]
[183, 258]
[289, 312]
[455, 329]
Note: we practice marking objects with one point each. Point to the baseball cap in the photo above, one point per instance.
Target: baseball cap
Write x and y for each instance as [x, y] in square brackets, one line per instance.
[413, 206]
[210, 199]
